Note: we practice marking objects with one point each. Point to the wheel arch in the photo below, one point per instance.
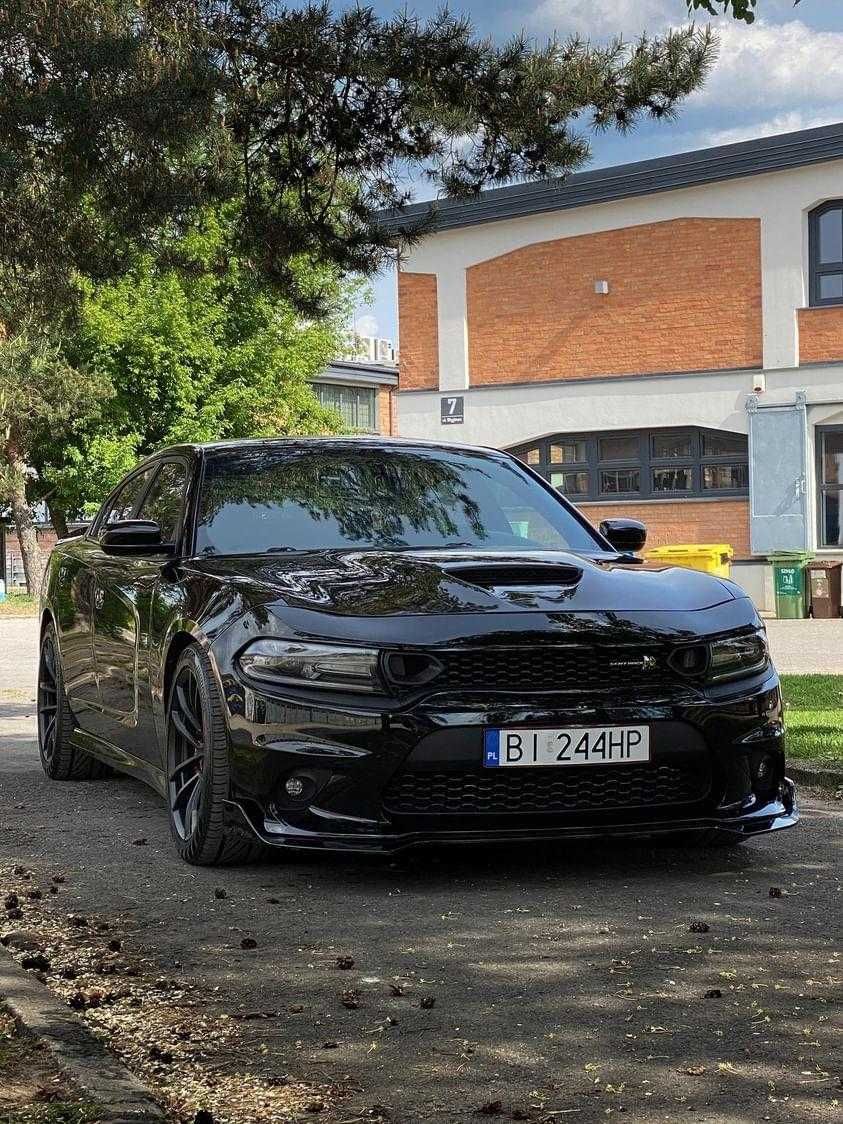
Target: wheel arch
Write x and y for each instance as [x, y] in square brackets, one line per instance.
[181, 639]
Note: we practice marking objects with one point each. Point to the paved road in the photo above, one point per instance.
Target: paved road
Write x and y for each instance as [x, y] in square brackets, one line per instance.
[565, 977]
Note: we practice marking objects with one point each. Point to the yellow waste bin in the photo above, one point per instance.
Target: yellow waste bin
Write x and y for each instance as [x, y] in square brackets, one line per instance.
[713, 558]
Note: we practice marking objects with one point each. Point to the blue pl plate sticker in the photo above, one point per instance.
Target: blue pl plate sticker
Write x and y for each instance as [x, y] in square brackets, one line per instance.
[492, 748]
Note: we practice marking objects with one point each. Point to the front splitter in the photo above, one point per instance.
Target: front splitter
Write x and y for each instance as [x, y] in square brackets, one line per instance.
[777, 815]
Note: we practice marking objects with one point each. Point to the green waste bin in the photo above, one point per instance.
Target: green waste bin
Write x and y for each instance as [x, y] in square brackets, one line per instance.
[790, 584]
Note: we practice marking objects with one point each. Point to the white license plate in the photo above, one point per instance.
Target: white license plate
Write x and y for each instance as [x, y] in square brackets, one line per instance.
[573, 745]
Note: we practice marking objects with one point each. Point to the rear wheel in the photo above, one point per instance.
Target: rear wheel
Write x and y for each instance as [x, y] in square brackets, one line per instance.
[198, 768]
[60, 759]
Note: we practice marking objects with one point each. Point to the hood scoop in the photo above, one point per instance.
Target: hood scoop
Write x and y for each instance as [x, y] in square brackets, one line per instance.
[514, 575]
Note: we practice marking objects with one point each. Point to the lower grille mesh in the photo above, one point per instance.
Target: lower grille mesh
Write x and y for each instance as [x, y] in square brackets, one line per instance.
[527, 790]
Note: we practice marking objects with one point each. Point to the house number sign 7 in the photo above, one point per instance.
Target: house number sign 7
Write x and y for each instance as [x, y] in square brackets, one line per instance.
[452, 410]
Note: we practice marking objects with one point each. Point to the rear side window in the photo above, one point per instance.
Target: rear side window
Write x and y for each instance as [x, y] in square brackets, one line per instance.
[123, 504]
[164, 502]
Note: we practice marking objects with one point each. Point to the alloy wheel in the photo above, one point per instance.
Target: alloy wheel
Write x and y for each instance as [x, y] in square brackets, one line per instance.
[48, 700]
[186, 753]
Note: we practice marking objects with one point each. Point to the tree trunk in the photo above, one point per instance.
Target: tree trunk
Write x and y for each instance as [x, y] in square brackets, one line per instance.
[33, 557]
[58, 518]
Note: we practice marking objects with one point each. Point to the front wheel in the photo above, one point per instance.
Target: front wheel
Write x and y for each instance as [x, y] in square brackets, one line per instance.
[61, 760]
[198, 768]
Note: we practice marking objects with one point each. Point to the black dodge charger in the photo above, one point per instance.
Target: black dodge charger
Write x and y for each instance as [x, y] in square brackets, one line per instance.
[364, 644]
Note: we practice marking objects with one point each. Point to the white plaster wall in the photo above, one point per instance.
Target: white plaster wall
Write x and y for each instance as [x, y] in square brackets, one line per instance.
[780, 199]
[509, 415]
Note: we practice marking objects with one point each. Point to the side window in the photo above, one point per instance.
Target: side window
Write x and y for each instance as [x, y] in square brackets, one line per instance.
[164, 502]
[124, 502]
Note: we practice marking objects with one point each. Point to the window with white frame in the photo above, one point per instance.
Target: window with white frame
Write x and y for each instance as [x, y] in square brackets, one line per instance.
[639, 464]
[357, 405]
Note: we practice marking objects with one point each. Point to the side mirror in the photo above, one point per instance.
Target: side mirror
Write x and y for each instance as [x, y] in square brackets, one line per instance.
[627, 536]
[134, 536]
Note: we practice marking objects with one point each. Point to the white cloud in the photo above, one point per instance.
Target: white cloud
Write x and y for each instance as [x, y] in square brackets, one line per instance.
[782, 123]
[786, 65]
[599, 19]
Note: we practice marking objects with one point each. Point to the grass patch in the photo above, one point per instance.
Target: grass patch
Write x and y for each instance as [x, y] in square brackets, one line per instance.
[18, 605]
[814, 716]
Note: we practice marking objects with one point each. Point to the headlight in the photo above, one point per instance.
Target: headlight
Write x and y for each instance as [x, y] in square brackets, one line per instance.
[312, 665]
[737, 655]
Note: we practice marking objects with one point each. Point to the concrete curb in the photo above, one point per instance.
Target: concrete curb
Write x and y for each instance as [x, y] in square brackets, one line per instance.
[827, 775]
[105, 1080]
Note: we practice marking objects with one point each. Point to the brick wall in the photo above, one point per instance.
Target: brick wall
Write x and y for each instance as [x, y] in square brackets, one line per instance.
[47, 539]
[386, 411]
[418, 314]
[684, 295]
[683, 521]
[820, 334]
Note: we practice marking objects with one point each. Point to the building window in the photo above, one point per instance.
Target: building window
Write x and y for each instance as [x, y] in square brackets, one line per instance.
[825, 237]
[357, 405]
[830, 455]
[644, 464]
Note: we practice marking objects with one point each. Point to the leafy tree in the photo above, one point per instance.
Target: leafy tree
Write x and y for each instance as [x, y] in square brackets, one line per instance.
[117, 115]
[740, 9]
[195, 352]
[40, 396]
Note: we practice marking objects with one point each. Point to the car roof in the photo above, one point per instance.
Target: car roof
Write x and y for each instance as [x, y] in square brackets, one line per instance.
[369, 441]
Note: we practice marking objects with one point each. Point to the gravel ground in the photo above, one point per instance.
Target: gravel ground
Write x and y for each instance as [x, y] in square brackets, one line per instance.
[542, 985]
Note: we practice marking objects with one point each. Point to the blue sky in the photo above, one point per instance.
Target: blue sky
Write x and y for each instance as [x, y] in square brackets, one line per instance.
[785, 72]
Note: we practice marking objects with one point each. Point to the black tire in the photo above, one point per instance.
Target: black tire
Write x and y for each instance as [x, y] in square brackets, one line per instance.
[198, 782]
[61, 760]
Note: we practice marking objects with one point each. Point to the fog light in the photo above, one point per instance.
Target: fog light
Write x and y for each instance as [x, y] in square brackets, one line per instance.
[764, 768]
[294, 787]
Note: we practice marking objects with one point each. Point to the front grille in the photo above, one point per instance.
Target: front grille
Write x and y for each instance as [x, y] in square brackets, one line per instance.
[551, 668]
[567, 789]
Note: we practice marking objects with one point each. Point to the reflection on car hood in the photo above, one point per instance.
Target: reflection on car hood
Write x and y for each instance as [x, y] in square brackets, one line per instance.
[388, 583]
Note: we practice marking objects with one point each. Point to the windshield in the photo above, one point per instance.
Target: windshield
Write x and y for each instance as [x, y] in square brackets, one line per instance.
[261, 500]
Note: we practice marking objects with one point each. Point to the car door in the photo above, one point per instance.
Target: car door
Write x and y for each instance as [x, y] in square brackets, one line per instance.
[75, 612]
[125, 589]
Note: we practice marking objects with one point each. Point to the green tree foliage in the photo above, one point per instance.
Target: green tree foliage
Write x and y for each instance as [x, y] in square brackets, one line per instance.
[196, 352]
[309, 120]
[41, 396]
[740, 9]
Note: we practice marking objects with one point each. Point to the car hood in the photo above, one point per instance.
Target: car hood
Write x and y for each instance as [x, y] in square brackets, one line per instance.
[389, 583]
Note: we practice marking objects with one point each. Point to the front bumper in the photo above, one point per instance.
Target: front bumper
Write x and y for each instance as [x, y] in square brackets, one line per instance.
[356, 755]
[773, 816]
